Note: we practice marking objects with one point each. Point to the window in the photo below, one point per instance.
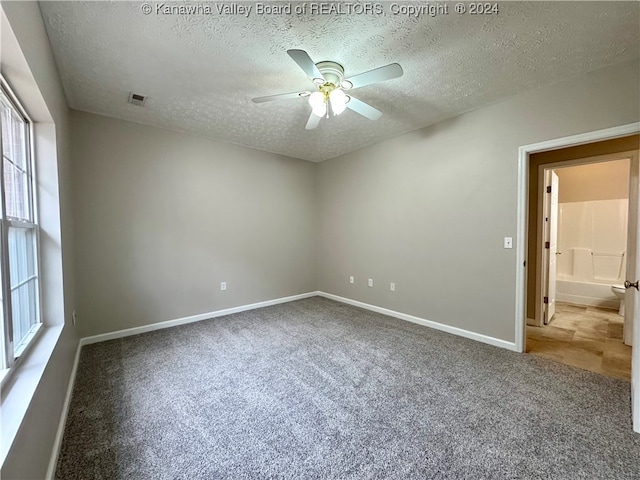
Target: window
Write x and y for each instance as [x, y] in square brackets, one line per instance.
[19, 292]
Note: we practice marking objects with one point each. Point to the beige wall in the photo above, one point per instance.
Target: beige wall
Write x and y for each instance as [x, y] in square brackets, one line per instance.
[32, 448]
[596, 181]
[429, 210]
[163, 218]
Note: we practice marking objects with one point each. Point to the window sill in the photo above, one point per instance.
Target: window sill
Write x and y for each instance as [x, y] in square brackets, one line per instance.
[22, 349]
[19, 387]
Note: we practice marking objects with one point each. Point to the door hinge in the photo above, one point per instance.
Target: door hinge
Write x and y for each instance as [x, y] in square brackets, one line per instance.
[546, 300]
[549, 189]
[547, 245]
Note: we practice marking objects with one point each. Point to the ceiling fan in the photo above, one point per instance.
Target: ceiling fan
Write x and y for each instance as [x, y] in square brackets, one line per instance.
[330, 98]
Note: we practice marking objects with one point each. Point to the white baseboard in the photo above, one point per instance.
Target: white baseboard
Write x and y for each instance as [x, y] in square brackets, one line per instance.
[53, 462]
[496, 342]
[243, 308]
[228, 311]
[194, 318]
[135, 331]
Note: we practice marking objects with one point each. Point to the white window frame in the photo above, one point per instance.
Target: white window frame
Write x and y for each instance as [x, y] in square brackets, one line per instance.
[13, 353]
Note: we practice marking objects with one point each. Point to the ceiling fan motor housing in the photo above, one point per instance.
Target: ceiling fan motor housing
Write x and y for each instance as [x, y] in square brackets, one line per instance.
[332, 72]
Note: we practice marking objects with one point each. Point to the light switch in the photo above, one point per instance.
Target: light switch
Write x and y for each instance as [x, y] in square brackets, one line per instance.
[508, 242]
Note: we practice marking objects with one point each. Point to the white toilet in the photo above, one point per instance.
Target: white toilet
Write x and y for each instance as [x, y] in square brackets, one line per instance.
[618, 291]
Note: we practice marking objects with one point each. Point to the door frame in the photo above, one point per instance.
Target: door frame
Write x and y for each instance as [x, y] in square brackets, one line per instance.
[540, 264]
[545, 172]
[521, 235]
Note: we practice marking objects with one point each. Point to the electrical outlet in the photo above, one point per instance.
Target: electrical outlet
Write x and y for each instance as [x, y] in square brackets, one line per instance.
[223, 286]
[351, 279]
[74, 318]
[370, 283]
[392, 286]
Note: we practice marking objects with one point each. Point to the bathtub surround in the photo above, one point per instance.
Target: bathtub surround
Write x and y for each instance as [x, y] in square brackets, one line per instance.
[592, 240]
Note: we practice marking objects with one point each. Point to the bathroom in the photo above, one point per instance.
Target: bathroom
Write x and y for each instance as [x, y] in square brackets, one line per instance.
[593, 202]
[585, 327]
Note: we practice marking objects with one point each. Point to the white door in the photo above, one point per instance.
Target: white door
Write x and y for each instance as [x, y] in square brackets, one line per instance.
[631, 312]
[551, 245]
[632, 307]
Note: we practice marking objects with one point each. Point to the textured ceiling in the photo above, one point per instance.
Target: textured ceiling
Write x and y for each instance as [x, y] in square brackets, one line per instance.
[200, 71]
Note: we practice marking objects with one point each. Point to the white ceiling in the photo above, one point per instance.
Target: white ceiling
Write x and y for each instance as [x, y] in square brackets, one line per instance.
[201, 71]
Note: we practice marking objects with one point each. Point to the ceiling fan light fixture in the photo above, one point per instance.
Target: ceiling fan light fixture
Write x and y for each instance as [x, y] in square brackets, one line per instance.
[330, 98]
[318, 104]
[320, 110]
[316, 99]
[338, 101]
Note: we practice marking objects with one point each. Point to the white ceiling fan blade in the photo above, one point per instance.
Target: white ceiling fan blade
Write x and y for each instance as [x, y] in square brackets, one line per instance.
[379, 74]
[364, 109]
[304, 61]
[280, 96]
[313, 122]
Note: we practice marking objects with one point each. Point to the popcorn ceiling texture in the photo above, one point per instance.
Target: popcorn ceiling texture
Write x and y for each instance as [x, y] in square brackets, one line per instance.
[201, 71]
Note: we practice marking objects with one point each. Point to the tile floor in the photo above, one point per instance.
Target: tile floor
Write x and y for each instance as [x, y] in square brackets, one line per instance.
[585, 337]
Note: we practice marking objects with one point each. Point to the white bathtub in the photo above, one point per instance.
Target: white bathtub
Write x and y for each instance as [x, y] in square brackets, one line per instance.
[586, 293]
[592, 237]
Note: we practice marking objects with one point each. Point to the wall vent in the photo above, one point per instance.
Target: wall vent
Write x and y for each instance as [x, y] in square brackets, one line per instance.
[137, 99]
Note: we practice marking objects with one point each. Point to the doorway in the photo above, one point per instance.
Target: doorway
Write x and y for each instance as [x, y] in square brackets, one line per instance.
[612, 140]
[583, 218]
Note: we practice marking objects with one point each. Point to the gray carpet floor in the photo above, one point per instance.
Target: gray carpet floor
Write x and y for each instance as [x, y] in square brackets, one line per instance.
[318, 389]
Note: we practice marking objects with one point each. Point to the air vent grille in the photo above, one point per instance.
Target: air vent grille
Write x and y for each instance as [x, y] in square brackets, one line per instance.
[137, 99]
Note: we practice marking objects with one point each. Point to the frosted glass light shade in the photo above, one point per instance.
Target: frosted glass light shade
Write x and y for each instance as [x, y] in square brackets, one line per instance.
[338, 101]
[316, 100]
[320, 110]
